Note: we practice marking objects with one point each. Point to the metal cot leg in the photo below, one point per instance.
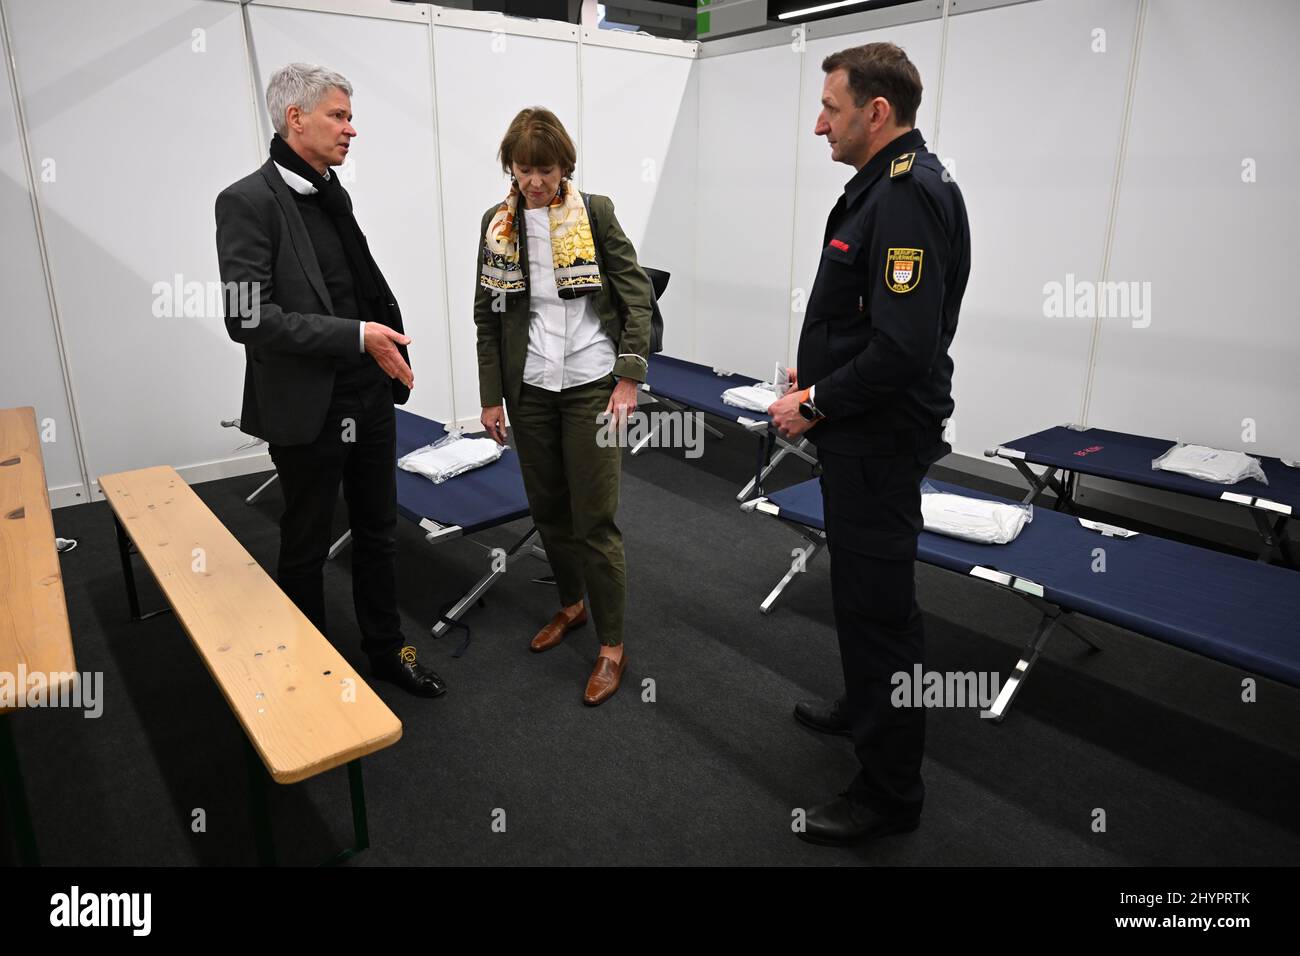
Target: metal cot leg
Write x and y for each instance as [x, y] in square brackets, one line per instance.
[261, 488]
[1028, 657]
[1052, 615]
[800, 563]
[519, 550]
[344, 539]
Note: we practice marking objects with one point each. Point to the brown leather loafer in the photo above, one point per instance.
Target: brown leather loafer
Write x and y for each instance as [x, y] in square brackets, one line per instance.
[604, 680]
[554, 632]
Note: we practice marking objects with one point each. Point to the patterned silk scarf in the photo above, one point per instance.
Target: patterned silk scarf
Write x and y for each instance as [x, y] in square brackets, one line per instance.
[573, 251]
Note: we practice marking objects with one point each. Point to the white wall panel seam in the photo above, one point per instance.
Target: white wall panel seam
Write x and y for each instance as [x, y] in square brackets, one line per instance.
[442, 217]
[581, 145]
[1116, 189]
[943, 62]
[254, 87]
[20, 121]
[693, 354]
[794, 207]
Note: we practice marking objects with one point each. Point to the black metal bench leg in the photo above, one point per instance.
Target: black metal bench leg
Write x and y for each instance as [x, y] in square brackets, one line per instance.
[124, 552]
[15, 796]
[360, 826]
[259, 806]
[128, 573]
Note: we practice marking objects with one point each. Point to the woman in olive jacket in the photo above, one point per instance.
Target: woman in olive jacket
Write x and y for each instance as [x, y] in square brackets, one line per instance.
[563, 317]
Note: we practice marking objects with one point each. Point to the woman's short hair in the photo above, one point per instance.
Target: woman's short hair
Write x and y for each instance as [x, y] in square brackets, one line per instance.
[536, 137]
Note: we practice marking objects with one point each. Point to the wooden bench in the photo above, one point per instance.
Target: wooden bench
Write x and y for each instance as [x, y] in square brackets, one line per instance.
[34, 634]
[301, 705]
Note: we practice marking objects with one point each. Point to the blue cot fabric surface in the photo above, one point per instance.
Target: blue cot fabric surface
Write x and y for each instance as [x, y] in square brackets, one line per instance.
[478, 499]
[1126, 457]
[697, 386]
[1227, 608]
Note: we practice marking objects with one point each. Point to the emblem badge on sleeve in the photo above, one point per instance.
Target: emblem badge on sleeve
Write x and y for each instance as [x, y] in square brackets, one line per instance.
[902, 269]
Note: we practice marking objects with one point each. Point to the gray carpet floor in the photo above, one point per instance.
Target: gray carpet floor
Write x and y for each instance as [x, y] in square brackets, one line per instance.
[711, 770]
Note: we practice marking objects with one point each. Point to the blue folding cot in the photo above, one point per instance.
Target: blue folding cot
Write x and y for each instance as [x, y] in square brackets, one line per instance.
[1070, 451]
[459, 507]
[1230, 609]
[464, 505]
[680, 386]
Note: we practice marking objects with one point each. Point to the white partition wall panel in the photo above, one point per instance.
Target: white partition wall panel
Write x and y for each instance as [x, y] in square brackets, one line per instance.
[30, 370]
[391, 171]
[820, 181]
[482, 79]
[1213, 107]
[640, 147]
[142, 107]
[749, 118]
[1031, 119]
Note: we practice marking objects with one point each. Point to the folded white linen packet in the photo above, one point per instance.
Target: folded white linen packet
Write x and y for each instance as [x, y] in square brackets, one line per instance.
[753, 398]
[973, 519]
[451, 456]
[1210, 464]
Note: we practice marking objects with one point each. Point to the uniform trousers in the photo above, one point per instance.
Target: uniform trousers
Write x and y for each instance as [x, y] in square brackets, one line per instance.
[872, 508]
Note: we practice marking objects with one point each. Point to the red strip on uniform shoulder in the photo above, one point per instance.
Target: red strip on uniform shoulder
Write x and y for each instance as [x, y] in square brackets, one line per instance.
[842, 246]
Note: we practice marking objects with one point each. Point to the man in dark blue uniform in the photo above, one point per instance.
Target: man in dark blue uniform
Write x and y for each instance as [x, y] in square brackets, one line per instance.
[873, 389]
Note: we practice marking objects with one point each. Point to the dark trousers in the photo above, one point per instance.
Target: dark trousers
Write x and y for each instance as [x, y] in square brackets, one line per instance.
[872, 507]
[358, 448]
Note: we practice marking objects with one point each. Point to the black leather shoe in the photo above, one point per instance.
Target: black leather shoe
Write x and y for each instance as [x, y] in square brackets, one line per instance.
[844, 821]
[824, 716]
[407, 673]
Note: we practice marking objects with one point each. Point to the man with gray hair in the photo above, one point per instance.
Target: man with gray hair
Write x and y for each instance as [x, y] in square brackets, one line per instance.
[326, 359]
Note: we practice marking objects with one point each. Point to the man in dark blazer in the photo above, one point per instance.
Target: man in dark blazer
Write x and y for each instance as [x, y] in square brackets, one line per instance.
[326, 359]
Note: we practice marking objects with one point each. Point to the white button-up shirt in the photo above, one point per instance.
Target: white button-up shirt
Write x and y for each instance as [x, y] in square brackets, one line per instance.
[566, 345]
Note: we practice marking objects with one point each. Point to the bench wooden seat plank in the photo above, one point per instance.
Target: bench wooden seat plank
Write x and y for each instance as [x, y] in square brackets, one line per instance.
[303, 707]
[34, 630]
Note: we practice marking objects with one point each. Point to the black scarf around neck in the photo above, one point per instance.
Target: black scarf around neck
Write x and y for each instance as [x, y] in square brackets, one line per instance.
[334, 202]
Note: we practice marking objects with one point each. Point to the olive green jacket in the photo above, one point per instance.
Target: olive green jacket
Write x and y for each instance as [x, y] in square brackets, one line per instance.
[623, 306]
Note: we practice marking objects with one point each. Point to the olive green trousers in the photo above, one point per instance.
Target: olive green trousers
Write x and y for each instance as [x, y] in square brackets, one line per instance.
[572, 487]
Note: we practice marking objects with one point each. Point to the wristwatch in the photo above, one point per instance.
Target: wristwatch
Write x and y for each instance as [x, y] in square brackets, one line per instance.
[809, 411]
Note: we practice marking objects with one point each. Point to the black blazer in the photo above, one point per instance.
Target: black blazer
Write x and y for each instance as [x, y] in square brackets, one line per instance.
[292, 338]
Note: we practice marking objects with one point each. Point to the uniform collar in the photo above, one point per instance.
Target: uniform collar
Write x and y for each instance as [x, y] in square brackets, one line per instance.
[908, 142]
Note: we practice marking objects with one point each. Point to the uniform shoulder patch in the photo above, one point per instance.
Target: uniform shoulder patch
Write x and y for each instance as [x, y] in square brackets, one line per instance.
[903, 269]
[902, 165]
